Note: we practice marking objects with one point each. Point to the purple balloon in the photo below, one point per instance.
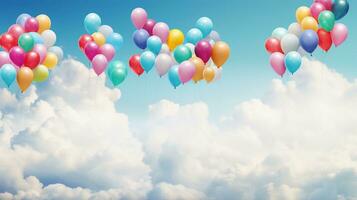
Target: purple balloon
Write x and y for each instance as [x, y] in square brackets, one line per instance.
[203, 50]
[149, 26]
[108, 51]
[186, 71]
[140, 37]
[91, 50]
[17, 56]
[309, 40]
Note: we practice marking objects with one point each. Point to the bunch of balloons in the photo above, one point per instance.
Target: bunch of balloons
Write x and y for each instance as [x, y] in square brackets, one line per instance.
[316, 26]
[28, 51]
[100, 45]
[198, 55]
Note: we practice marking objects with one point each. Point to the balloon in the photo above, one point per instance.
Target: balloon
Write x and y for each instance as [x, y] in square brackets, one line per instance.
[191, 47]
[176, 37]
[194, 35]
[31, 25]
[108, 51]
[203, 50]
[32, 59]
[205, 24]
[58, 51]
[44, 23]
[15, 30]
[8, 74]
[91, 50]
[49, 38]
[140, 38]
[17, 56]
[7, 41]
[147, 60]
[325, 41]
[279, 33]
[134, 63]
[220, 53]
[41, 50]
[295, 28]
[99, 64]
[302, 52]
[273, 45]
[186, 71]
[50, 61]
[174, 76]
[290, 42]
[326, 3]
[309, 40]
[316, 8]
[92, 22]
[217, 74]
[340, 8]
[165, 49]
[182, 53]
[163, 63]
[278, 64]
[301, 13]
[116, 65]
[139, 17]
[4, 58]
[21, 19]
[98, 38]
[26, 42]
[327, 20]
[209, 74]
[116, 40]
[40, 73]
[149, 26]
[117, 72]
[83, 40]
[293, 61]
[339, 34]
[200, 66]
[161, 30]
[36, 37]
[309, 23]
[154, 44]
[24, 78]
[105, 30]
[214, 36]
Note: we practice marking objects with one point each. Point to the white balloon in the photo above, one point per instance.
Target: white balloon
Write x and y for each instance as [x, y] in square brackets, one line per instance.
[165, 49]
[105, 30]
[191, 47]
[58, 51]
[49, 38]
[290, 42]
[163, 63]
[214, 36]
[302, 52]
[279, 33]
[295, 29]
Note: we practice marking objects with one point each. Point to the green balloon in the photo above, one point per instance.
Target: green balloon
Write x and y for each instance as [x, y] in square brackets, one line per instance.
[117, 76]
[327, 20]
[115, 65]
[40, 73]
[26, 42]
[182, 53]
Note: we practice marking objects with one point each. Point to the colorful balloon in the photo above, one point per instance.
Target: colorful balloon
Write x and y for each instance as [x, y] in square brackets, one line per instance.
[140, 38]
[194, 35]
[26, 42]
[147, 60]
[309, 40]
[118, 73]
[182, 53]
[57, 51]
[116, 65]
[163, 63]
[31, 25]
[108, 51]
[32, 59]
[83, 40]
[49, 38]
[92, 22]
[17, 56]
[134, 63]
[41, 50]
[220, 53]
[175, 38]
[44, 23]
[4, 58]
[301, 13]
[16, 31]
[277, 61]
[209, 74]
[309, 23]
[203, 50]
[36, 38]
[139, 17]
[325, 40]
[327, 20]
[340, 8]
[98, 38]
[200, 66]
[174, 76]
[99, 64]
[24, 78]
[21, 19]
[105, 30]
[205, 25]
[186, 71]
[316, 8]
[8, 74]
[7, 41]
[339, 34]
[149, 26]
[154, 44]
[162, 31]
[50, 61]
[116, 40]
[290, 42]
[279, 33]
[40, 73]
[214, 36]
[295, 28]
[293, 61]
[327, 3]
[91, 50]
[273, 45]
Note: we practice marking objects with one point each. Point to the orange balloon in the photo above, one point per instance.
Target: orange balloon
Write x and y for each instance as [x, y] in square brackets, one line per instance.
[24, 78]
[220, 53]
[200, 66]
[208, 74]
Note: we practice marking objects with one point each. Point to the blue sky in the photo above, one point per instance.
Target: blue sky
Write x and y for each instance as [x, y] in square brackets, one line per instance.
[243, 24]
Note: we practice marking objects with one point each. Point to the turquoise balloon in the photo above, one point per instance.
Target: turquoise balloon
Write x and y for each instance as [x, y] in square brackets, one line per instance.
[92, 22]
[117, 76]
[8, 74]
[36, 37]
[293, 61]
[340, 8]
[194, 35]
[154, 44]
[205, 25]
[182, 53]
[116, 40]
[327, 20]
[279, 33]
[115, 65]
[174, 76]
[147, 60]
[26, 42]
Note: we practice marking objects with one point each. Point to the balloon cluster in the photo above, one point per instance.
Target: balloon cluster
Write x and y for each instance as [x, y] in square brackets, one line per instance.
[29, 51]
[100, 45]
[183, 58]
[315, 27]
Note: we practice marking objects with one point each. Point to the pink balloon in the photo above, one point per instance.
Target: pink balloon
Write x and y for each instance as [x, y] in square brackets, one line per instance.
[139, 17]
[186, 71]
[31, 25]
[15, 30]
[203, 50]
[17, 56]
[316, 8]
[91, 49]
[4, 58]
[326, 3]
[339, 34]
[108, 51]
[149, 26]
[278, 63]
[161, 30]
[41, 50]
[99, 64]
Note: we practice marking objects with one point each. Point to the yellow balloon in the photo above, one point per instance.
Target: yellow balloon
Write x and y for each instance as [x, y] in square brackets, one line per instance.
[44, 23]
[220, 53]
[175, 38]
[98, 38]
[208, 74]
[24, 78]
[200, 66]
[309, 23]
[50, 61]
[302, 12]
[40, 73]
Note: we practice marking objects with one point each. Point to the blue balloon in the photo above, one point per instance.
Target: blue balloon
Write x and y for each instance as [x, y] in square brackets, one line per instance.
[8, 74]
[309, 40]
[21, 19]
[194, 35]
[293, 61]
[205, 25]
[92, 22]
[174, 76]
[37, 38]
[116, 40]
[340, 8]
[140, 38]
[147, 60]
[154, 44]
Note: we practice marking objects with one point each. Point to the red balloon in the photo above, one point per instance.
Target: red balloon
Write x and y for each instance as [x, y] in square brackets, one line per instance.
[31, 25]
[32, 59]
[15, 30]
[8, 41]
[149, 25]
[272, 45]
[325, 40]
[134, 63]
[83, 40]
